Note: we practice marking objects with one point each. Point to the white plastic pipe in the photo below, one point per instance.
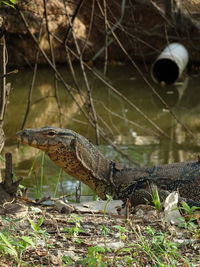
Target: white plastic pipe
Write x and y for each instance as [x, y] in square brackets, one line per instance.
[170, 64]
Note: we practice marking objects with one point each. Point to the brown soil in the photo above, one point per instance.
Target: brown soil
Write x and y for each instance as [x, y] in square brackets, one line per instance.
[57, 237]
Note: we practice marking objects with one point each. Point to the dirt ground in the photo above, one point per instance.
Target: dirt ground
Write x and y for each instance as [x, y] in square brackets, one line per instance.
[96, 238]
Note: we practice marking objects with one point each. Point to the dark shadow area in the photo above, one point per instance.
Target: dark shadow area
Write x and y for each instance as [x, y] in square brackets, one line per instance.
[165, 70]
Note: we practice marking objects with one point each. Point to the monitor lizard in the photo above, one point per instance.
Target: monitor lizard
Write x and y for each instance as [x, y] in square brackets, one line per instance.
[82, 160]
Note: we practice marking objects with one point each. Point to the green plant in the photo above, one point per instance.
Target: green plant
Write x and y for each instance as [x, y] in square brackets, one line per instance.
[94, 257]
[2, 158]
[78, 240]
[76, 229]
[156, 199]
[6, 245]
[105, 231]
[122, 230]
[41, 236]
[38, 179]
[41, 179]
[8, 2]
[36, 226]
[188, 223]
[11, 223]
[67, 260]
[33, 165]
[124, 257]
[38, 231]
[196, 233]
[157, 248]
[160, 242]
[21, 190]
[13, 245]
[187, 209]
[57, 183]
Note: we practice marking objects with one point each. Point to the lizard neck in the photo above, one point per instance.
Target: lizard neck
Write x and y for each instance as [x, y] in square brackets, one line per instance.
[98, 177]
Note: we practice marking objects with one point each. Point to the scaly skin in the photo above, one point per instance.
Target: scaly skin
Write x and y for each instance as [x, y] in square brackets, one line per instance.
[81, 159]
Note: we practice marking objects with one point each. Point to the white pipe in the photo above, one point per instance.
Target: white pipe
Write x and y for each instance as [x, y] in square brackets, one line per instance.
[170, 64]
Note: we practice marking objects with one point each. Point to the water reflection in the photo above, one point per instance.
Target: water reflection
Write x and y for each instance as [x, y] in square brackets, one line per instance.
[171, 94]
[122, 123]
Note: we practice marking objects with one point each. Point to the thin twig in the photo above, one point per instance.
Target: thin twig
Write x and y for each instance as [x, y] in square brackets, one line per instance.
[145, 79]
[106, 38]
[89, 28]
[90, 99]
[29, 99]
[129, 121]
[68, 88]
[72, 19]
[53, 60]
[9, 73]
[99, 76]
[3, 79]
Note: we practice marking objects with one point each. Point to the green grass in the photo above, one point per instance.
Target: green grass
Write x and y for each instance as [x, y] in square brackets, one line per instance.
[8, 2]
[11, 243]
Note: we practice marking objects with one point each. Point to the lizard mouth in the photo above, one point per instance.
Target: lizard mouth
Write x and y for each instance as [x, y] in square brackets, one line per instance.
[25, 138]
[22, 137]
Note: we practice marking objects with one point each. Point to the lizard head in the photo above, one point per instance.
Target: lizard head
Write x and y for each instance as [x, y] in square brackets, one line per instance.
[73, 153]
[47, 138]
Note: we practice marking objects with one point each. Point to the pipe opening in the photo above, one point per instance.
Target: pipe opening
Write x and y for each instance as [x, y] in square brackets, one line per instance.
[165, 70]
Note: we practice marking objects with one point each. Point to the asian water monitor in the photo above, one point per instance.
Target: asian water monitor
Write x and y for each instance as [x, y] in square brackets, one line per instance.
[81, 159]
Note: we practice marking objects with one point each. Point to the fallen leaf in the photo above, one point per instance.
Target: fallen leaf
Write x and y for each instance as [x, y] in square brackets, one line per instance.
[172, 214]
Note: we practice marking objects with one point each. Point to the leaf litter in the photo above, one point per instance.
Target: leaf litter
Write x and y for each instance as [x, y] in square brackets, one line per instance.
[88, 236]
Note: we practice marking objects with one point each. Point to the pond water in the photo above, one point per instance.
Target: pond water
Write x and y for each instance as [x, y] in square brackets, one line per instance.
[169, 141]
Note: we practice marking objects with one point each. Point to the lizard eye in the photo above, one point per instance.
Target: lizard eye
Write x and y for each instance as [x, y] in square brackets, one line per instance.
[51, 133]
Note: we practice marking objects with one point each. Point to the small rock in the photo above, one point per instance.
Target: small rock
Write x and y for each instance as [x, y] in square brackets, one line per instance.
[36, 210]
[101, 206]
[62, 207]
[112, 245]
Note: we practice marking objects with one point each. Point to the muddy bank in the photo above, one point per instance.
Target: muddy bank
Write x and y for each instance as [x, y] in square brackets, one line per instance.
[114, 30]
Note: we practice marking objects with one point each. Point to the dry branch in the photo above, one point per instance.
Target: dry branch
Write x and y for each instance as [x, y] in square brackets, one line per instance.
[9, 187]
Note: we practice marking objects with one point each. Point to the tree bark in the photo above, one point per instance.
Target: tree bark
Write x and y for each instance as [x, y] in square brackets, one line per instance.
[2, 83]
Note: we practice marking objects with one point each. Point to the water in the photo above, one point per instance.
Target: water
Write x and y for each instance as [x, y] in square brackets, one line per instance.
[124, 125]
